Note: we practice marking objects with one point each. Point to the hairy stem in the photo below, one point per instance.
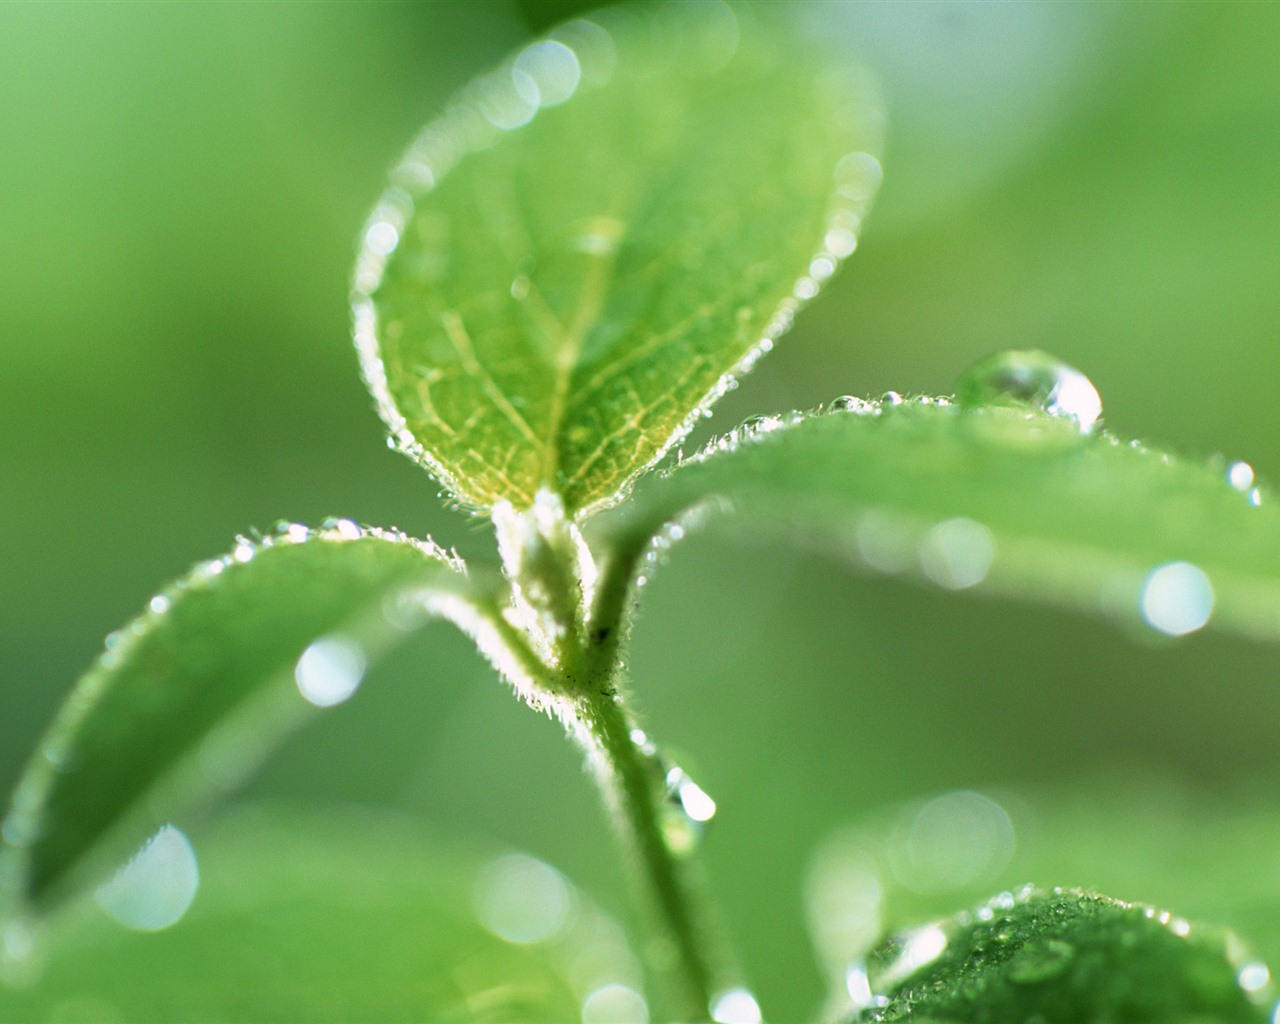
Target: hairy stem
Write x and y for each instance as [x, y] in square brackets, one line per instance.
[632, 787]
[632, 781]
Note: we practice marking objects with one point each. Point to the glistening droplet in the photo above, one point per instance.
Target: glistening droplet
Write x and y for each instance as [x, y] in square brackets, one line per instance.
[1030, 377]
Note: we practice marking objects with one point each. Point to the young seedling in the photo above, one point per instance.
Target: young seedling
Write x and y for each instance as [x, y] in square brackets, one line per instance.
[569, 267]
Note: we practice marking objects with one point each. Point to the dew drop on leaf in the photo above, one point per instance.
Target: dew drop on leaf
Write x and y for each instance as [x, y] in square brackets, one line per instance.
[154, 890]
[1030, 377]
[1240, 476]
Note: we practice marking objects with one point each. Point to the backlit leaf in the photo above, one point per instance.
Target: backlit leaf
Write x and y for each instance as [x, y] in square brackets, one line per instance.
[997, 498]
[191, 694]
[579, 255]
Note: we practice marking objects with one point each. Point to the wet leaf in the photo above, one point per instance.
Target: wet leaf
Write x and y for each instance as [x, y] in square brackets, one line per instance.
[339, 915]
[1000, 498]
[581, 253]
[187, 697]
[1065, 957]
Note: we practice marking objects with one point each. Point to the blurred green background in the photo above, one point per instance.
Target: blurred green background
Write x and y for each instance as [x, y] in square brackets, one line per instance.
[181, 186]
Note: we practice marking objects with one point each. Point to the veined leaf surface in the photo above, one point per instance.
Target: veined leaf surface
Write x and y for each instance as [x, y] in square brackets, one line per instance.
[576, 258]
[191, 693]
[1001, 498]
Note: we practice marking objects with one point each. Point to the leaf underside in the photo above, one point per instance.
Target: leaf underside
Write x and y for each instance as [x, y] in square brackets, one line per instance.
[556, 309]
[195, 690]
[1003, 499]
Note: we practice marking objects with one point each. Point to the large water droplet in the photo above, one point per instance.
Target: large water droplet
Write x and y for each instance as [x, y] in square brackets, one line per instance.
[1034, 378]
[330, 671]
[1177, 598]
[154, 890]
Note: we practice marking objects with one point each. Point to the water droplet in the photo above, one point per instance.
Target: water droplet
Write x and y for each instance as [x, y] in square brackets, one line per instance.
[330, 671]
[520, 287]
[243, 553]
[736, 1006]
[693, 799]
[951, 841]
[346, 529]
[154, 890]
[891, 398]
[615, 1004]
[805, 288]
[546, 73]
[957, 553]
[1240, 476]
[159, 604]
[523, 900]
[1253, 976]
[850, 403]
[1032, 378]
[1176, 598]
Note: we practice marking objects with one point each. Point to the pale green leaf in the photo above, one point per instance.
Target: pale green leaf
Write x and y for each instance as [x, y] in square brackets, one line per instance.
[1003, 499]
[339, 916]
[576, 259]
[188, 696]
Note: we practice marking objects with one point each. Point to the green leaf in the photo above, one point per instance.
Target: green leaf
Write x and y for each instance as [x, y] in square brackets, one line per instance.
[190, 694]
[578, 257]
[1138, 837]
[1065, 957]
[340, 915]
[999, 498]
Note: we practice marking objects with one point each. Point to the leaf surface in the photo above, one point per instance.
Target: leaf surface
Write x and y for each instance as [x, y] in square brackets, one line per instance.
[341, 915]
[1064, 957]
[998, 498]
[188, 696]
[577, 257]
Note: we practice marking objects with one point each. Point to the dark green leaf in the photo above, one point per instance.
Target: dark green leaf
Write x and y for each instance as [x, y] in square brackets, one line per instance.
[577, 258]
[190, 694]
[1001, 498]
[336, 916]
[1065, 957]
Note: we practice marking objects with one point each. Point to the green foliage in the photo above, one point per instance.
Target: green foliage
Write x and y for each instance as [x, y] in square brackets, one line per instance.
[341, 916]
[191, 693]
[1065, 957]
[564, 301]
[1002, 494]
[569, 267]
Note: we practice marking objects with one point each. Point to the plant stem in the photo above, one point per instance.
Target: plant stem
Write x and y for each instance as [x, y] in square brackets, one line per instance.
[631, 787]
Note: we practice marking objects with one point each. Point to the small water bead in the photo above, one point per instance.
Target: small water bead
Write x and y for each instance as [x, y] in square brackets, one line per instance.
[1240, 476]
[850, 403]
[1030, 377]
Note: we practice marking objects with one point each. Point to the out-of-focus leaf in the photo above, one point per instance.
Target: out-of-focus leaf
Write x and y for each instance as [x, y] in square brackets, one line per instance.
[576, 259]
[188, 696]
[1065, 957]
[995, 497]
[342, 915]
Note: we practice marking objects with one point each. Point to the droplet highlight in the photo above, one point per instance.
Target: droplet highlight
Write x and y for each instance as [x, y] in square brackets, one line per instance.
[737, 1006]
[155, 889]
[1031, 377]
[615, 1004]
[1176, 599]
[957, 553]
[523, 900]
[330, 671]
